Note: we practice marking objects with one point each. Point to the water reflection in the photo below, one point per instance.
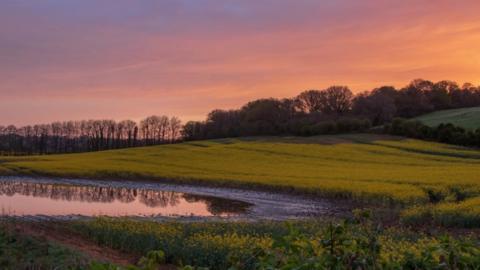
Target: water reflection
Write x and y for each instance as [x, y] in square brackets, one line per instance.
[29, 198]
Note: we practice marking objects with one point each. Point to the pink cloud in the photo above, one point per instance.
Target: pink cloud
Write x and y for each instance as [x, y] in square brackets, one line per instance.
[92, 59]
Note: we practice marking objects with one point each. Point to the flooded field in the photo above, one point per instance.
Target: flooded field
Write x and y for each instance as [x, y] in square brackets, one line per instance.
[21, 198]
[53, 197]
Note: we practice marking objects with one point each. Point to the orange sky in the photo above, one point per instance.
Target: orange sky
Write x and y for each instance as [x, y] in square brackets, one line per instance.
[118, 59]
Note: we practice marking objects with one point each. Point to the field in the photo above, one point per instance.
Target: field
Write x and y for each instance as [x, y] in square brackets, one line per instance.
[367, 168]
[435, 186]
[357, 244]
[468, 118]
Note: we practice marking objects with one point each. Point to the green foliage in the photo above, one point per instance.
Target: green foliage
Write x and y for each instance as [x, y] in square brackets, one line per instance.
[444, 133]
[359, 243]
[363, 246]
[152, 260]
[105, 266]
[468, 118]
[216, 245]
[189, 267]
[338, 246]
[23, 252]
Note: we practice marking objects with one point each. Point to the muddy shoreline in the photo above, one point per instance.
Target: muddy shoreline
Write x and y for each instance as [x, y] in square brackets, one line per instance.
[266, 205]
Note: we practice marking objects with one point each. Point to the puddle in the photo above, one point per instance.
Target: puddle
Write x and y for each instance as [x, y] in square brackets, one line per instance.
[26, 198]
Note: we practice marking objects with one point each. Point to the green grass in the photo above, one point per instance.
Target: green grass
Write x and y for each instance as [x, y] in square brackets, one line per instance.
[468, 118]
[364, 167]
[18, 251]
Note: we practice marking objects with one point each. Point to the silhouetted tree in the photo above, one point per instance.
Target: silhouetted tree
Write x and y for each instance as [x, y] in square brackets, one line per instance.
[264, 117]
[439, 97]
[412, 100]
[312, 112]
[336, 100]
[310, 101]
[333, 110]
[90, 135]
[378, 105]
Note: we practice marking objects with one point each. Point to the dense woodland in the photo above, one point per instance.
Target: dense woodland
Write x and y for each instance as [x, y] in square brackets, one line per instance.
[333, 110]
[88, 135]
[329, 111]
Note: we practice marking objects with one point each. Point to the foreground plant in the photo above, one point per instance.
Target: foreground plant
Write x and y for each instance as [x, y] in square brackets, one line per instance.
[152, 261]
[362, 245]
[19, 251]
[358, 243]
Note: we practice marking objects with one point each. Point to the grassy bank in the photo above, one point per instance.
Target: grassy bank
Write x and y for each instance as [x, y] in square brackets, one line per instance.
[364, 167]
[468, 118]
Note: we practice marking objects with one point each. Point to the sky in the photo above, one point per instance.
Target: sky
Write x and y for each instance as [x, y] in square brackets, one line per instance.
[122, 59]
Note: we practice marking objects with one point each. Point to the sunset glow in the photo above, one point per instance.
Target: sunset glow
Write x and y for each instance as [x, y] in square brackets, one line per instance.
[118, 59]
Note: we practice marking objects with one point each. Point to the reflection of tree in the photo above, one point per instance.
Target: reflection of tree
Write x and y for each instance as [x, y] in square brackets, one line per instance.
[219, 206]
[148, 197]
[156, 198]
[151, 198]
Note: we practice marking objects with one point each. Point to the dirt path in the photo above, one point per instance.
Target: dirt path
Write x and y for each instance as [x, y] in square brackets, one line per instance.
[72, 241]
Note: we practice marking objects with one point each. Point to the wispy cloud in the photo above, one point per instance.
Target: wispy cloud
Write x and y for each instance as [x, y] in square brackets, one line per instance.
[121, 58]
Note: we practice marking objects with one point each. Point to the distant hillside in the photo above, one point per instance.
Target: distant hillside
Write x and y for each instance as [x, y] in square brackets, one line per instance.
[468, 117]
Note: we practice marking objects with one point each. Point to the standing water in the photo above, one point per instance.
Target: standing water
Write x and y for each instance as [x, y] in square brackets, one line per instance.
[20, 198]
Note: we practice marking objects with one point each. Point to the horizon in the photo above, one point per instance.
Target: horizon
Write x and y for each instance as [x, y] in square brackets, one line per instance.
[203, 118]
[127, 60]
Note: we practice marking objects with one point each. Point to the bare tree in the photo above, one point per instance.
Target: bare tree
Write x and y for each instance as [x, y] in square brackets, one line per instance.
[175, 126]
[336, 100]
[309, 101]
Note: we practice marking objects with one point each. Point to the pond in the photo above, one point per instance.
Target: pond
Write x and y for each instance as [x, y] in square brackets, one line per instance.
[25, 198]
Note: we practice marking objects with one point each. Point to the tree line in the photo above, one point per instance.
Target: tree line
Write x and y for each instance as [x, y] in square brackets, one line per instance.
[88, 135]
[329, 111]
[444, 133]
[333, 110]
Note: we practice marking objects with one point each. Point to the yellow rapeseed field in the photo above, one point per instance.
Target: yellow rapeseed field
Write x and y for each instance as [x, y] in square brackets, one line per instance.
[361, 166]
